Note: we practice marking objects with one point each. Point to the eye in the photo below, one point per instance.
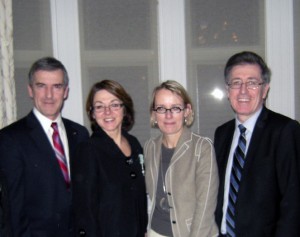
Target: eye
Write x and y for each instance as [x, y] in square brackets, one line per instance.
[115, 105]
[176, 109]
[98, 107]
[39, 85]
[160, 109]
[252, 83]
[236, 83]
[58, 86]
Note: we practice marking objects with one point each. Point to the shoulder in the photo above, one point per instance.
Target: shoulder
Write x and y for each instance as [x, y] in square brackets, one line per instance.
[73, 124]
[15, 129]
[69, 124]
[153, 141]
[277, 123]
[201, 142]
[228, 125]
[277, 118]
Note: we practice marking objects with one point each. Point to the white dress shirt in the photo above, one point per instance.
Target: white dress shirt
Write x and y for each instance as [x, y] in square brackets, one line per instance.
[46, 124]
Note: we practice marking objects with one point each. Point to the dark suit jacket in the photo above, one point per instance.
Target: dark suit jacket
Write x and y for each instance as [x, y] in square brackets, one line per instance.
[109, 195]
[5, 228]
[268, 201]
[39, 200]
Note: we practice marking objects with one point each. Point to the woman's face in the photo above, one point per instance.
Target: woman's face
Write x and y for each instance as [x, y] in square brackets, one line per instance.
[108, 111]
[170, 123]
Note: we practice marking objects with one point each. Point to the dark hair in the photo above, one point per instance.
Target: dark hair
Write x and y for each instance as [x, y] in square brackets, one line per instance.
[47, 64]
[247, 57]
[117, 90]
[179, 90]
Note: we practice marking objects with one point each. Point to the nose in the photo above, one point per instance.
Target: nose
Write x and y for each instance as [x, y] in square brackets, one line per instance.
[49, 92]
[243, 88]
[168, 114]
[107, 110]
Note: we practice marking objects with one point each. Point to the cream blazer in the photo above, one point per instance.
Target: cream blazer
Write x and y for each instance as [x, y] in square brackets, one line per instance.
[191, 183]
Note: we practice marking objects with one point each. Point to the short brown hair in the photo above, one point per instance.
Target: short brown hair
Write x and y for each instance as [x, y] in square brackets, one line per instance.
[117, 90]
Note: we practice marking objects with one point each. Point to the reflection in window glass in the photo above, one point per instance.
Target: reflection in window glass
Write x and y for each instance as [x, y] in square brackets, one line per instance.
[32, 40]
[224, 23]
[215, 31]
[119, 42]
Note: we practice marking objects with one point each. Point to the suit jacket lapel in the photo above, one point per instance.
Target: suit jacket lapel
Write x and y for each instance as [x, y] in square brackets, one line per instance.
[72, 134]
[38, 136]
[257, 135]
[182, 146]
[224, 150]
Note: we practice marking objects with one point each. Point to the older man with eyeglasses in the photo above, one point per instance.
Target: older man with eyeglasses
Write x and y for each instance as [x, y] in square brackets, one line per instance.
[258, 157]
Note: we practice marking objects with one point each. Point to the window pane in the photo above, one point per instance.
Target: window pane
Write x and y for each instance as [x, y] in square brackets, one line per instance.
[215, 31]
[32, 40]
[119, 42]
[224, 23]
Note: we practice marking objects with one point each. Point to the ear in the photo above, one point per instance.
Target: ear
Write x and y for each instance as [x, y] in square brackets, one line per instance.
[265, 91]
[153, 115]
[227, 91]
[66, 93]
[152, 119]
[30, 91]
[188, 110]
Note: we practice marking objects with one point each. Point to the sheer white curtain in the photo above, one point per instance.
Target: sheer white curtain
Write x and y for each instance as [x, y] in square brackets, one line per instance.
[7, 82]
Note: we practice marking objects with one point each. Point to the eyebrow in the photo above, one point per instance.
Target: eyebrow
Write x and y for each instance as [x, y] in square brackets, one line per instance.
[112, 101]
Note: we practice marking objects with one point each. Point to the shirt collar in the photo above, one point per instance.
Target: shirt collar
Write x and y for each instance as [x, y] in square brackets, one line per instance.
[46, 122]
[250, 122]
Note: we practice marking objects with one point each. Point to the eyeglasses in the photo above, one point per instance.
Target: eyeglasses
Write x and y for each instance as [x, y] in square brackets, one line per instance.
[237, 84]
[112, 107]
[163, 110]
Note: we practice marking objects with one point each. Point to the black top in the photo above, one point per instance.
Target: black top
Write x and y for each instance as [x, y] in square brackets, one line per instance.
[161, 220]
[109, 196]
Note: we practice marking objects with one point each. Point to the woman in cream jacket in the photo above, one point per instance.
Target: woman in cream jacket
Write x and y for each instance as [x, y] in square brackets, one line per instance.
[181, 171]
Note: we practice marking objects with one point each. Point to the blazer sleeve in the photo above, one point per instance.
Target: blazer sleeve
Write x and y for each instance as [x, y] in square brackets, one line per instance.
[207, 183]
[288, 167]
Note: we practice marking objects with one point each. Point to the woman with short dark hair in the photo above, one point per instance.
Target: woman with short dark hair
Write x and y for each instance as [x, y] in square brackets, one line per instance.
[109, 197]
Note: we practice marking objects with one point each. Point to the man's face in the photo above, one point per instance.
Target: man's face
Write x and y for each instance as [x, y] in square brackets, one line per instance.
[48, 92]
[245, 102]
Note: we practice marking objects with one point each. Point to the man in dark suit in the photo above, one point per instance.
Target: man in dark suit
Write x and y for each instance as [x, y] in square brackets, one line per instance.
[259, 166]
[38, 182]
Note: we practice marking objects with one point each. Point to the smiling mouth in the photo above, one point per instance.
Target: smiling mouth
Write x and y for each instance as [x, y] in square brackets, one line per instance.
[243, 100]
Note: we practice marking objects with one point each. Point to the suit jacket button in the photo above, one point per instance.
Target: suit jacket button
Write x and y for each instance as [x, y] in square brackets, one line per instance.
[82, 232]
[174, 222]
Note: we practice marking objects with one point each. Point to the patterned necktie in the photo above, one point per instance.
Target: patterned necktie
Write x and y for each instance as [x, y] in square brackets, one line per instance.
[60, 154]
[235, 178]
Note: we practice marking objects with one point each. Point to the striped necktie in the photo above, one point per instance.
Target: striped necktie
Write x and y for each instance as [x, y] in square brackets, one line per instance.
[60, 154]
[235, 178]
